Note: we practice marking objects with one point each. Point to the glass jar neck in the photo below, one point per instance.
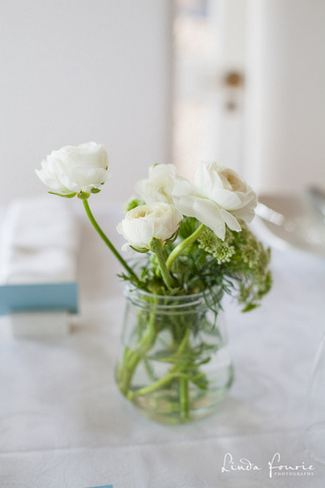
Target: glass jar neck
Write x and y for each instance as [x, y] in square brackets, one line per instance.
[149, 301]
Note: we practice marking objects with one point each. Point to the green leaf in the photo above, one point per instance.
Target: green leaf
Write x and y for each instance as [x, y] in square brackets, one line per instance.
[249, 307]
[133, 203]
[69, 195]
[142, 250]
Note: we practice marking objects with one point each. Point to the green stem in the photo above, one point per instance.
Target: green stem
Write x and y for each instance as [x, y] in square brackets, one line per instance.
[183, 382]
[183, 398]
[183, 344]
[182, 245]
[108, 242]
[158, 248]
[132, 358]
[156, 385]
[174, 372]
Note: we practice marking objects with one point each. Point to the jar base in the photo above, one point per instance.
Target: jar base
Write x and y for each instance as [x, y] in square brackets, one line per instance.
[163, 406]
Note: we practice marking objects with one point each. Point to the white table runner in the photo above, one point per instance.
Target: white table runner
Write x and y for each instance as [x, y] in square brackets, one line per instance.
[64, 424]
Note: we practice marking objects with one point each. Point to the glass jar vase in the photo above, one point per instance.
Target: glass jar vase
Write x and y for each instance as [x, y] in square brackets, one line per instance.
[175, 365]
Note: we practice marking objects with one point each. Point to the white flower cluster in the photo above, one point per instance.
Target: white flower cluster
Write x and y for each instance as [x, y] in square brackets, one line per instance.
[217, 198]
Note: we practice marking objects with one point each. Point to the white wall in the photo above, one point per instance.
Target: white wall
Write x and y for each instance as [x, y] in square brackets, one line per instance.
[285, 104]
[79, 70]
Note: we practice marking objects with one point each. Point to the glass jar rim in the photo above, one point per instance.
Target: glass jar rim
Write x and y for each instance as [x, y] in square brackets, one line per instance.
[177, 301]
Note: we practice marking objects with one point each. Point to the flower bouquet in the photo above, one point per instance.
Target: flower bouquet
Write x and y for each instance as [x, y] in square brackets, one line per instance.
[193, 246]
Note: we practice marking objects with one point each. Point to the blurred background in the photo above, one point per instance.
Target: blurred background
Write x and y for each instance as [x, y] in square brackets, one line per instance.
[164, 81]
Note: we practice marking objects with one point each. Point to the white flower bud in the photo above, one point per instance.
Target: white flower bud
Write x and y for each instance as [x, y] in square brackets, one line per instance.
[143, 223]
[75, 169]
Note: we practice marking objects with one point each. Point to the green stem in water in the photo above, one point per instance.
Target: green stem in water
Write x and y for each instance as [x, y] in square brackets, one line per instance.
[183, 382]
[132, 358]
[108, 242]
[175, 371]
[156, 385]
[182, 245]
[158, 248]
[183, 398]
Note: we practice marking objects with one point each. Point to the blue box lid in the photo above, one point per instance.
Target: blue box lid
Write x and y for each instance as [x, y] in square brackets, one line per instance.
[40, 296]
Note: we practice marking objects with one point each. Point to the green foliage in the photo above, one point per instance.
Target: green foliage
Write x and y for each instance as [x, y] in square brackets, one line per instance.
[243, 260]
[187, 226]
[239, 265]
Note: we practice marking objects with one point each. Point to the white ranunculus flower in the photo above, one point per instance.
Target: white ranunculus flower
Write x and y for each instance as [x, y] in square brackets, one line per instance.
[75, 169]
[217, 198]
[143, 223]
[159, 184]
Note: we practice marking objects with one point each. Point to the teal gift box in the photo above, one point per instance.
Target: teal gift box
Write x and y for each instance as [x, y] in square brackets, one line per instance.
[39, 310]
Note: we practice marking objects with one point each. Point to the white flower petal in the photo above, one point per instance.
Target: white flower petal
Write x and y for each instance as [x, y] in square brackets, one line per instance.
[230, 220]
[247, 212]
[182, 188]
[185, 204]
[158, 186]
[227, 199]
[210, 215]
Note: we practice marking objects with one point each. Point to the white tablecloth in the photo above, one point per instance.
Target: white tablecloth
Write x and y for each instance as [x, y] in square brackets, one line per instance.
[64, 424]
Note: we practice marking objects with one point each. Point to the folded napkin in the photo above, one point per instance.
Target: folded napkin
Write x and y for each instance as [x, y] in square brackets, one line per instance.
[38, 248]
[39, 242]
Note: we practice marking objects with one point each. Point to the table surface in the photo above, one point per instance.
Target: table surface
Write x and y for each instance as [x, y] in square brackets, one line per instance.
[64, 424]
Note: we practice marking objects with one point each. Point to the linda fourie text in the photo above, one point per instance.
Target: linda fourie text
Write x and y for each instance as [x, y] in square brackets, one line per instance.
[274, 467]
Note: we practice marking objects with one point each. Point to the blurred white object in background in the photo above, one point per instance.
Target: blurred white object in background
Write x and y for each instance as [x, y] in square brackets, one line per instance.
[209, 59]
[74, 71]
[291, 221]
[249, 89]
[39, 241]
[284, 96]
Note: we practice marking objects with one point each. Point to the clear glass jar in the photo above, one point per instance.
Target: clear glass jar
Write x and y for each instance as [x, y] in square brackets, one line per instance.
[175, 364]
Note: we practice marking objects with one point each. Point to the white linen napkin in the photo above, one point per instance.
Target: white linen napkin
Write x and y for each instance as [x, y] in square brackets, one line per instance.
[39, 242]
